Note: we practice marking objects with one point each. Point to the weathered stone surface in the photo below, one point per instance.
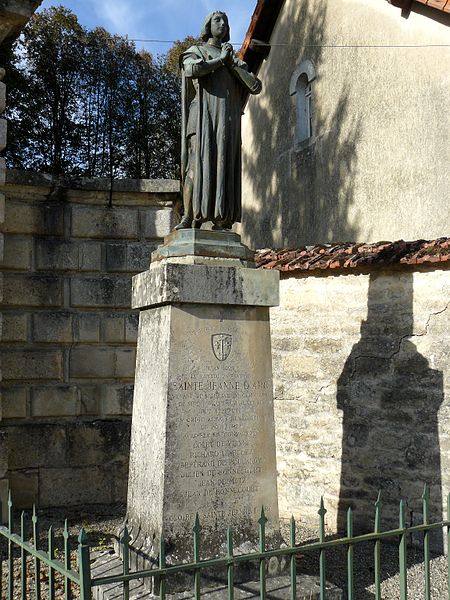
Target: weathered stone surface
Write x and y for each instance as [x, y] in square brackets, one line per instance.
[361, 393]
[101, 362]
[2, 97]
[65, 303]
[14, 402]
[72, 488]
[61, 401]
[31, 364]
[17, 254]
[67, 256]
[200, 283]
[101, 291]
[4, 452]
[39, 218]
[97, 444]
[24, 487]
[210, 439]
[32, 290]
[52, 327]
[114, 328]
[138, 256]
[4, 490]
[116, 400]
[87, 327]
[2, 172]
[26, 450]
[2, 205]
[131, 327]
[3, 133]
[15, 327]
[89, 401]
[104, 222]
[95, 453]
[158, 223]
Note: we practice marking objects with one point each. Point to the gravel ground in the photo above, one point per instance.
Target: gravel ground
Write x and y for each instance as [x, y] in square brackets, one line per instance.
[101, 523]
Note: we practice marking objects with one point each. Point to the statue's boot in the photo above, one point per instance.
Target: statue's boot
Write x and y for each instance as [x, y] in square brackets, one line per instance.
[185, 223]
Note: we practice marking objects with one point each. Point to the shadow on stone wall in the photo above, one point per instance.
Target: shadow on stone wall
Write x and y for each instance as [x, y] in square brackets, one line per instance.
[300, 196]
[390, 398]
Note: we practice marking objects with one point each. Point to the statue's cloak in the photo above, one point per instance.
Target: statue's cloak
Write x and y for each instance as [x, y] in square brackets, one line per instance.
[214, 116]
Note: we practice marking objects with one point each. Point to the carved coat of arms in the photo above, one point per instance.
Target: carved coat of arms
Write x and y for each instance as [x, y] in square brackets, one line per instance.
[221, 345]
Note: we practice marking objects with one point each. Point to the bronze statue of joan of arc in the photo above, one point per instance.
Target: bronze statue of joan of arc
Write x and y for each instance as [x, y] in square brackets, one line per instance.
[214, 85]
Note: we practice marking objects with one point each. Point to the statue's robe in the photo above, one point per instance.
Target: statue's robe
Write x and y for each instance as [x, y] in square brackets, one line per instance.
[214, 117]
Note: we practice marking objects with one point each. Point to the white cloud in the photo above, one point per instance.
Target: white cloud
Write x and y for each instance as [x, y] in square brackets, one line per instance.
[121, 16]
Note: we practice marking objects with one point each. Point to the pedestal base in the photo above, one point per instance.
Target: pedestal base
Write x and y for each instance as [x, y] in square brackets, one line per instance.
[278, 588]
[203, 434]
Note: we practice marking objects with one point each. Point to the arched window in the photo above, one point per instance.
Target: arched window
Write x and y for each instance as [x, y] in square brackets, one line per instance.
[301, 87]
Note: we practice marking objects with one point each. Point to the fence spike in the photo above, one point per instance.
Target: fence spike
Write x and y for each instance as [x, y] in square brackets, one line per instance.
[197, 529]
[292, 530]
[426, 503]
[322, 578]
[322, 510]
[378, 506]
[10, 508]
[82, 537]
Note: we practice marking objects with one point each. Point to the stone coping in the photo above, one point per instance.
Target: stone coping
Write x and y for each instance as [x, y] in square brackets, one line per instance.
[101, 184]
[172, 283]
[350, 255]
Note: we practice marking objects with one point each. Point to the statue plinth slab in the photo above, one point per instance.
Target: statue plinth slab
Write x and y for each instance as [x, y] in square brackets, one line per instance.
[203, 438]
[201, 242]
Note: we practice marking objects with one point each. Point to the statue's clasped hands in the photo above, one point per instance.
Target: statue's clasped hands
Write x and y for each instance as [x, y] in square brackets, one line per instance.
[226, 54]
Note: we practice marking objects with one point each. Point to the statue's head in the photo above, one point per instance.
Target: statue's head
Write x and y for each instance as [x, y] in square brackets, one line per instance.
[206, 33]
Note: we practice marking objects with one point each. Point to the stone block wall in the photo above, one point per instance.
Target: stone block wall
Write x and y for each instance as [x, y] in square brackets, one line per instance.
[362, 392]
[68, 343]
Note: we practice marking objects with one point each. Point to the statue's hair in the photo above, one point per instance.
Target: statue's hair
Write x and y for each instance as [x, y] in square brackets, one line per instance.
[206, 30]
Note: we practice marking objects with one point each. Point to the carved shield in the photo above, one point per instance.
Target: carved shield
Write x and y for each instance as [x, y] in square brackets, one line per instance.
[221, 345]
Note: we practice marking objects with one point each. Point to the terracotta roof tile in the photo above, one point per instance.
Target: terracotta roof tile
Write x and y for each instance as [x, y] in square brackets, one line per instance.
[349, 255]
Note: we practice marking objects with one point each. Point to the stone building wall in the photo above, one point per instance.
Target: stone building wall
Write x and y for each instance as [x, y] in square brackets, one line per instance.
[362, 392]
[68, 344]
[380, 82]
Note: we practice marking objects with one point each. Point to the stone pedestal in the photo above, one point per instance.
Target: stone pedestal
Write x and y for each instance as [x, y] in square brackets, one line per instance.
[203, 438]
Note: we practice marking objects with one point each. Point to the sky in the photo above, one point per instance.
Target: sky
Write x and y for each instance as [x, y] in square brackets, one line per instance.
[158, 19]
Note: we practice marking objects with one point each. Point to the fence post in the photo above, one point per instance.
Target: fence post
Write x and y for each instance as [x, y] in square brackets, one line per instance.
[426, 541]
[84, 565]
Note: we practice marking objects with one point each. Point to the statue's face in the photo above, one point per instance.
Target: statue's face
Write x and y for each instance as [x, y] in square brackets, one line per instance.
[219, 26]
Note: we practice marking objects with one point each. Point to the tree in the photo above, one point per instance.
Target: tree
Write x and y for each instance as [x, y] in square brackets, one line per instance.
[88, 103]
[172, 58]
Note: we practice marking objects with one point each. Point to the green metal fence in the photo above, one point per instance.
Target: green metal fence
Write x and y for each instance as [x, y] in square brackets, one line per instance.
[80, 577]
